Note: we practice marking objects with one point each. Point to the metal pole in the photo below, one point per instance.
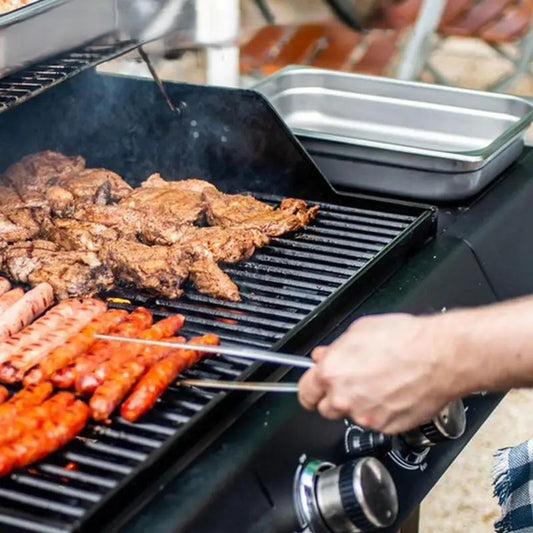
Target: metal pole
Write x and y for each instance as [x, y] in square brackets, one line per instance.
[415, 52]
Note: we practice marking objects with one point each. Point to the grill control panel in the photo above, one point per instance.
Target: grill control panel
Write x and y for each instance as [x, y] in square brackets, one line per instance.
[356, 497]
[409, 448]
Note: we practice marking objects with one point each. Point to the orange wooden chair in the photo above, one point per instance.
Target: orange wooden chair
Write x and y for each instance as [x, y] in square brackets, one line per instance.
[400, 33]
[498, 23]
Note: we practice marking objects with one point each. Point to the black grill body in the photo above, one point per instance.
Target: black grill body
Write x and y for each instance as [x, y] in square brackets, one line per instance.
[248, 472]
[295, 291]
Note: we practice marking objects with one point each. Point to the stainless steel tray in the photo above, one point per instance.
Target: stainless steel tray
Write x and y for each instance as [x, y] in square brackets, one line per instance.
[49, 27]
[410, 139]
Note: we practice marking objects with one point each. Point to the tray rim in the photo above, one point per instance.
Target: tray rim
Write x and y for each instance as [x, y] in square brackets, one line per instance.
[475, 158]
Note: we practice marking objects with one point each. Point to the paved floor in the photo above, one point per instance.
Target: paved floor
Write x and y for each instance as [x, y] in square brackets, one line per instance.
[462, 501]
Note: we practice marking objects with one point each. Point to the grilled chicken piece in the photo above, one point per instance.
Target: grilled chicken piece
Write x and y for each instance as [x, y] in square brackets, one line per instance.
[159, 269]
[230, 210]
[71, 273]
[228, 245]
[33, 174]
[75, 235]
[210, 279]
[180, 201]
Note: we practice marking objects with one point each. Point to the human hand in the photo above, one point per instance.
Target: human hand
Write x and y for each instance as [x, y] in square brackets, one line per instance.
[388, 373]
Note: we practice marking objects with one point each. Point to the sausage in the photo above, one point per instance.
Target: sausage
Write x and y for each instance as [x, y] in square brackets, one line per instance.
[49, 322]
[4, 394]
[31, 419]
[109, 394]
[10, 298]
[60, 428]
[24, 399]
[4, 285]
[24, 311]
[12, 370]
[160, 376]
[75, 346]
[88, 383]
[100, 351]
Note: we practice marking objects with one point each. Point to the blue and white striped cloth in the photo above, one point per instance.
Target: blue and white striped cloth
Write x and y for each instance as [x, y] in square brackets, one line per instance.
[513, 486]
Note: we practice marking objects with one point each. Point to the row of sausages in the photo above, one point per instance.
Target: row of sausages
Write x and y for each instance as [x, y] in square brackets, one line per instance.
[54, 350]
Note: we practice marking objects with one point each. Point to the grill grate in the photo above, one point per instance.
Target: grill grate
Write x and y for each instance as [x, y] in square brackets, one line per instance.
[280, 286]
[23, 85]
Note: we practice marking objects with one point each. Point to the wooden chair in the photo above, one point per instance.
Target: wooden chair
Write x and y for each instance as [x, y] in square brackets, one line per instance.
[400, 41]
[498, 23]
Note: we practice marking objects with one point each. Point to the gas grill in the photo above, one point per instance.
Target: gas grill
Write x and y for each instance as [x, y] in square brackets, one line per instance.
[216, 461]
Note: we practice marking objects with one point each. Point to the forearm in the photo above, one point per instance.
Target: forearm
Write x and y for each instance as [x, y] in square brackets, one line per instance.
[492, 345]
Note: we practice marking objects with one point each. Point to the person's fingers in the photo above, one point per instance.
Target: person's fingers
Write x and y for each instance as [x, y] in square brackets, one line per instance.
[318, 353]
[328, 410]
[310, 389]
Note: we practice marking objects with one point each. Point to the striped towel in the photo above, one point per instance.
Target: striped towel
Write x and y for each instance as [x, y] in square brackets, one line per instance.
[512, 479]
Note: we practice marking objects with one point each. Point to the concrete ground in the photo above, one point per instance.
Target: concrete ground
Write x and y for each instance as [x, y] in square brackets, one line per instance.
[462, 501]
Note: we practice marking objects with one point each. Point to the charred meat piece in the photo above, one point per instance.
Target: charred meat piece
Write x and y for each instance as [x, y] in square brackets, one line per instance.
[9, 199]
[179, 201]
[12, 231]
[158, 269]
[75, 235]
[228, 245]
[210, 279]
[71, 273]
[239, 210]
[232, 209]
[132, 223]
[33, 174]
[90, 186]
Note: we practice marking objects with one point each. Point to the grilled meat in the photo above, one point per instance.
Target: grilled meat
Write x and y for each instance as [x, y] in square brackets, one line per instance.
[33, 174]
[160, 269]
[230, 210]
[210, 279]
[75, 346]
[132, 223]
[75, 235]
[22, 313]
[179, 201]
[228, 245]
[101, 351]
[108, 396]
[58, 428]
[20, 224]
[160, 376]
[90, 186]
[9, 199]
[58, 325]
[164, 328]
[95, 185]
[70, 273]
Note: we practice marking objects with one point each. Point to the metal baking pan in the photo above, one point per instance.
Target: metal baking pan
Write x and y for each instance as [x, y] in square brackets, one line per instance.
[409, 139]
[48, 27]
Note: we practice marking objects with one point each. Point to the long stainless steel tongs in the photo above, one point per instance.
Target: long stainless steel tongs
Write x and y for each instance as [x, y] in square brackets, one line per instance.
[253, 354]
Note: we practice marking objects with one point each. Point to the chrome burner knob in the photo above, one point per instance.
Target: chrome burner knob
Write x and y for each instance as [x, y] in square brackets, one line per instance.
[356, 497]
[449, 424]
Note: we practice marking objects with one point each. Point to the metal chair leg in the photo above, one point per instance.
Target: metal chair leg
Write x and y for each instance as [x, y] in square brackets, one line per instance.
[416, 51]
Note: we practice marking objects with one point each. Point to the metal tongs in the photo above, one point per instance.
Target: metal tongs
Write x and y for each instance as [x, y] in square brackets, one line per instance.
[252, 354]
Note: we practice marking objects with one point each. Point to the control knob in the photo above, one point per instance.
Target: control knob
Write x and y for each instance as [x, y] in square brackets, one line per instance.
[449, 424]
[356, 497]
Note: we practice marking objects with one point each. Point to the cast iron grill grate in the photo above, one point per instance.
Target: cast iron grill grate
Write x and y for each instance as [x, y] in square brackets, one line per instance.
[23, 85]
[282, 286]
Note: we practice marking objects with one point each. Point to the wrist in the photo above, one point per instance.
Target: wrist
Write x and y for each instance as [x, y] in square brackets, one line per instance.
[456, 362]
